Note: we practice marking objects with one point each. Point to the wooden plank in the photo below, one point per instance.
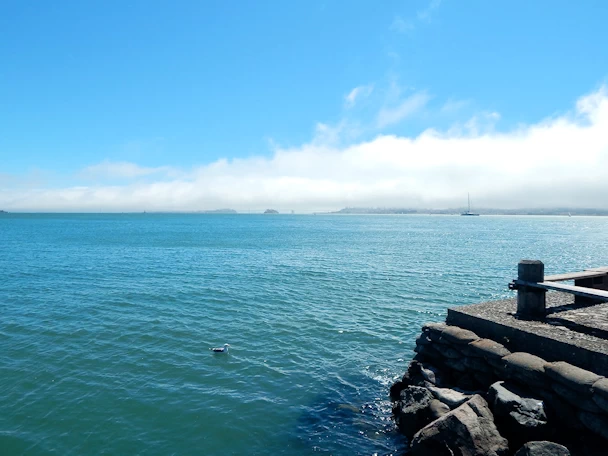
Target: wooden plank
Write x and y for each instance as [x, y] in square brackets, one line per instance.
[572, 289]
[588, 274]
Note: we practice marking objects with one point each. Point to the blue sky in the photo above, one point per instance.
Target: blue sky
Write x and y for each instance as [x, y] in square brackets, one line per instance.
[107, 105]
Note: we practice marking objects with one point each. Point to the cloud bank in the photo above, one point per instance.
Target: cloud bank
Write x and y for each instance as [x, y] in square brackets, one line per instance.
[560, 161]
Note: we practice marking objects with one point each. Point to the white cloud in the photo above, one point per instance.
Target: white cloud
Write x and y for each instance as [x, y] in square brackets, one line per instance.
[401, 25]
[426, 14]
[453, 106]
[560, 161]
[358, 92]
[393, 115]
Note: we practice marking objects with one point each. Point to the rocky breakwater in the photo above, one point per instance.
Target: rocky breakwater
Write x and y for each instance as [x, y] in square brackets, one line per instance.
[464, 395]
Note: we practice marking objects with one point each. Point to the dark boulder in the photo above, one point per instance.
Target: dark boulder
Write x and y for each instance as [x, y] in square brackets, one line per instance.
[396, 389]
[542, 448]
[519, 418]
[414, 375]
[423, 339]
[412, 411]
[422, 374]
[468, 430]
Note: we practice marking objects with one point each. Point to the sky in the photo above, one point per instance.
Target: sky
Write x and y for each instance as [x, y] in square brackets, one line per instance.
[112, 106]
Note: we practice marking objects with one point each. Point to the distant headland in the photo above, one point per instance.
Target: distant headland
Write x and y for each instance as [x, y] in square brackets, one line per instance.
[271, 211]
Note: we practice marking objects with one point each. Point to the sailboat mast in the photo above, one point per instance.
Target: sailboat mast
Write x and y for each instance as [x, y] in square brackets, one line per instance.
[469, 199]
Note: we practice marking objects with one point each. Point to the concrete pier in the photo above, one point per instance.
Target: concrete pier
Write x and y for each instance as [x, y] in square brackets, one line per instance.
[569, 332]
[533, 368]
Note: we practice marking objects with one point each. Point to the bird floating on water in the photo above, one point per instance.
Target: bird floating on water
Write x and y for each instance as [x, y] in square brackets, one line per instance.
[223, 349]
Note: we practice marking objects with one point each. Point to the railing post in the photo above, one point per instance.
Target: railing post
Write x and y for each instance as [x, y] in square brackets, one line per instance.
[531, 301]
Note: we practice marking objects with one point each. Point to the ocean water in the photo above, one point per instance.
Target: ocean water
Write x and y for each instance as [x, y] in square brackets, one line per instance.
[106, 321]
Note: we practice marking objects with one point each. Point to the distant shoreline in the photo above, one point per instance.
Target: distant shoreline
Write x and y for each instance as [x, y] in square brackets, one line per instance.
[349, 211]
[457, 211]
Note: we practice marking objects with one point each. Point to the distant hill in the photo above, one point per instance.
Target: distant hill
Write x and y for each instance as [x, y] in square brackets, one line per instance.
[482, 211]
[270, 211]
[375, 210]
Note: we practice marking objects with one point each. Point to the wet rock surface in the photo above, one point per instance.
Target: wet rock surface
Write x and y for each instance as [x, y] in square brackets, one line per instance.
[519, 418]
[412, 411]
[542, 448]
[466, 430]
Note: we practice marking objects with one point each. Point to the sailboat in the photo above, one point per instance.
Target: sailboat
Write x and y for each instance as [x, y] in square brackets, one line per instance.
[468, 212]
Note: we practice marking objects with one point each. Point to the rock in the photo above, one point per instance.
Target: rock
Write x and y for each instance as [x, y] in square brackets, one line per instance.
[433, 330]
[486, 348]
[465, 381]
[600, 393]
[601, 387]
[595, 423]
[580, 380]
[433, 327]
[418, 374]
[542, 448]
[450, 397]
[412, 411]
[560, 413]
[497, 363]
[578, 400]
[423, 340]
[413, 375]
[456, 364]
[484, 380]
[456, 335]
[396, 389]
[519, 419]
[601, 402]
[431, 374]
[468, 430]
[449, 352]
[437, 409]
[477, 364]
[526, 368]
[427, 351]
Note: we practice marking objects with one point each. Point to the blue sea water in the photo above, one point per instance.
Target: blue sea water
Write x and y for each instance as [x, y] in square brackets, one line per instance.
[106, 321]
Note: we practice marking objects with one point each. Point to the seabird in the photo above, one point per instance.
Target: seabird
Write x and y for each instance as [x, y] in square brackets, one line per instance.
[223, 349]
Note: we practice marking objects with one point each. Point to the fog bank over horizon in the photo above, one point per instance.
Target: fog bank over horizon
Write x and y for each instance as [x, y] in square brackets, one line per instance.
[561, 161]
